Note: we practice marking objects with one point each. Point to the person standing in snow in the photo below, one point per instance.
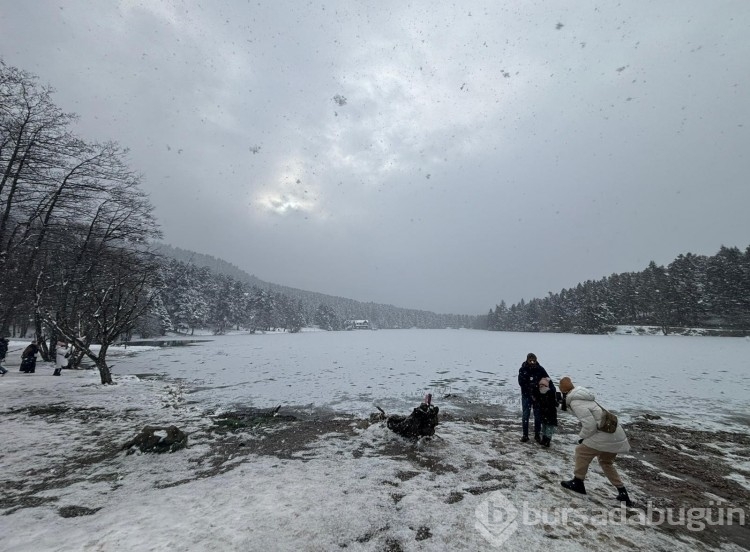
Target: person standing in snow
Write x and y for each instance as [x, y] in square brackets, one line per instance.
[594, 443]
[28, 358]
[61, 357]
[528, 379]
[547, 410]
[3, 352]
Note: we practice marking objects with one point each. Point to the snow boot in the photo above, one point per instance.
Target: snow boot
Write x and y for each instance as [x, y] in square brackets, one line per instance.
[525, 438]
[622, 496]
[546, 441]
[537, 438]
[575, 485]
[57, 372]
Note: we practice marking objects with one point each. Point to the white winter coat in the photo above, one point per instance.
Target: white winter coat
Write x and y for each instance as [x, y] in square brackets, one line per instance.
[582, 402]
[60, 356]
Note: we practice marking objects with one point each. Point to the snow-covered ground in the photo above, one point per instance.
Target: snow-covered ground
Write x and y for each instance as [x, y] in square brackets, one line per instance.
[345, 483]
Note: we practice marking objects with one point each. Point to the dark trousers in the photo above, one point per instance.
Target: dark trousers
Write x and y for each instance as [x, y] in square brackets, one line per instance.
[527, 405]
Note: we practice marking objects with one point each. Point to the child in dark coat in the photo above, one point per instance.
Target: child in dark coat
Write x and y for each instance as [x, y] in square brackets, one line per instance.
[28, 358]
[548, 410]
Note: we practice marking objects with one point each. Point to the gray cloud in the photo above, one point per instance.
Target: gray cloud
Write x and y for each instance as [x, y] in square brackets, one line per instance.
[483, 151]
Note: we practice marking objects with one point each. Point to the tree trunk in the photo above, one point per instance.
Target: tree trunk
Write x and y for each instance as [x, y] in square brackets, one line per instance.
[76, 356]
[101, 363]
[104, 373]
[40, 339]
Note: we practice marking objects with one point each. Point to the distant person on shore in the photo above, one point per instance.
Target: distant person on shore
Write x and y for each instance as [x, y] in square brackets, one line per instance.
[3, 352]
[528, 379]
[547, 410]
[593, 442]
[61, 357]
[28, 358]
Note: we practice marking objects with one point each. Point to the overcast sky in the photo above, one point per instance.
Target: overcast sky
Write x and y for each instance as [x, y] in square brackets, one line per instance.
[431, 155]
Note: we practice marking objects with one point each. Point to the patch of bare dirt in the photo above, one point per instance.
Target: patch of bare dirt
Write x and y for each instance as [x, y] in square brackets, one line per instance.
[683, 468]
[691, 469]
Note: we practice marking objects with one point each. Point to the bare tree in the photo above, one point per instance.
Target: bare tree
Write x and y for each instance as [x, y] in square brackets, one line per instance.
[106, 277]
[74, 226]
[112, 301]
[35, 147]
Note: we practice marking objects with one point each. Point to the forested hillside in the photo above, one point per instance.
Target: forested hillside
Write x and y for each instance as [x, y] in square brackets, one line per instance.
[200, 291]
[216, 265]
[693, 291]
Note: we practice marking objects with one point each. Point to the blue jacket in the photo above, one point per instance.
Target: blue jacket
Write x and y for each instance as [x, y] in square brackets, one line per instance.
[528, 379]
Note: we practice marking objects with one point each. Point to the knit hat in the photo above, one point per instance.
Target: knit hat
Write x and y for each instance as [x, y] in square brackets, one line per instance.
[544, 385]
[566, 385]
[531, 356]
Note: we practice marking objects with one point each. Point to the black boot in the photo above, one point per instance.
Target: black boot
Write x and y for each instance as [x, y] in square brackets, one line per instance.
[622, 496]
[546, 441]
[575, 485]
[537, 438]
[524, 438]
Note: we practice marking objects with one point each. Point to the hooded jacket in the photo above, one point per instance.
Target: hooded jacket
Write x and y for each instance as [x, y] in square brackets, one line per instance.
[528, 379]
[582, 403]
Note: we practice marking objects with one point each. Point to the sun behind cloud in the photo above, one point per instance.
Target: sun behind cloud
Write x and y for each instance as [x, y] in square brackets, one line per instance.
[284, 203]
[290, 192]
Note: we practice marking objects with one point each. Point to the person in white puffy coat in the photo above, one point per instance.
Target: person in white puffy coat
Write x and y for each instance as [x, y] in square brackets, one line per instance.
[593, 443]
[61, 357]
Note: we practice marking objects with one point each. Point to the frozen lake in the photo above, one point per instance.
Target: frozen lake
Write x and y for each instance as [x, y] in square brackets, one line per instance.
[697, 380]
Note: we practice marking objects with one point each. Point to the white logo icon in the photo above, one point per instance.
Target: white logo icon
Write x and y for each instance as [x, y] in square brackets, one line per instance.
[496, 518]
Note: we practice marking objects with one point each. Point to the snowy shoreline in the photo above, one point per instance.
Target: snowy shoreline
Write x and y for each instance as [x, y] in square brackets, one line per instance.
[317, 483]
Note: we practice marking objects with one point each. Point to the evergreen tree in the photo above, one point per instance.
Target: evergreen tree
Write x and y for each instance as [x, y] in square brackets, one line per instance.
[326, 319]
[724, 284]
[687, 274]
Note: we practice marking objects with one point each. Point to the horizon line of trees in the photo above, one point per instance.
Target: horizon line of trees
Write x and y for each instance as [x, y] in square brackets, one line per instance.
[336, 308]
[192, 297]
[694, 291]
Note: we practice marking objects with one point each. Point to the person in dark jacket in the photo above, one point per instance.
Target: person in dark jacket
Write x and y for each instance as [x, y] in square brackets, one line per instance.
[547, 410]
[28, 358]
[3, 352]
[528, 379]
